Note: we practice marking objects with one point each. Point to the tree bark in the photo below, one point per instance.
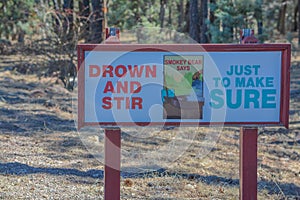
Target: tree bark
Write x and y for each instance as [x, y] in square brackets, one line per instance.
[170, 15]
[186, 28]
[68, 25]
[84, 8]
[299, 22]
[281, 21]
[258, 14]
[180, 11]
[55, 22]
[295, 27]
[162, 13]
[212, 17]
[212, 12]
[56, 4]
[96, 23]
[204, 15]
[194, 21]
[68, 4]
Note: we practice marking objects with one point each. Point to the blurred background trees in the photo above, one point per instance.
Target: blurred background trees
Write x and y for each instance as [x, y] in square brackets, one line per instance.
[206, 20]
[53, 28]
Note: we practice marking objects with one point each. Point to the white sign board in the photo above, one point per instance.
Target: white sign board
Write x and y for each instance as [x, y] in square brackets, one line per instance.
[124, 85]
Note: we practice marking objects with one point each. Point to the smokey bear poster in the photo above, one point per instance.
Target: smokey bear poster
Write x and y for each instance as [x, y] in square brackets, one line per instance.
[182, 94]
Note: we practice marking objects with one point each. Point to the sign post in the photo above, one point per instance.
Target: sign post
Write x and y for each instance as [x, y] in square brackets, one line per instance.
[112, 163]
[248, 144]
[248, 163]
[112, 144]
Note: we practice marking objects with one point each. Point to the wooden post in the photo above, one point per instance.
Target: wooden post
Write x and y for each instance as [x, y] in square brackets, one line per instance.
[112, 149]
[112, 164]
[248, 163]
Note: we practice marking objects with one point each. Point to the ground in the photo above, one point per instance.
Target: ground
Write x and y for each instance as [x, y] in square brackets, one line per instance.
[43, 156]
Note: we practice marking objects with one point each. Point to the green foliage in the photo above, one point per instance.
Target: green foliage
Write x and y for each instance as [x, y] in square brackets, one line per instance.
[17, 17]
[231, 17]
[130, 14]
[142, 18]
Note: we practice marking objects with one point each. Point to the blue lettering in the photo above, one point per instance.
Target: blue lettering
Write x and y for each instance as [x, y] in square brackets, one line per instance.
[268, 98]
[216, 96]
[251, 96]
[238, 101]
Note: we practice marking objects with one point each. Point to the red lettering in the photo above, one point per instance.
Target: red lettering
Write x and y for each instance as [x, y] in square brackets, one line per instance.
[179, 68]
[122, 87]
[127, 103]
[94, 70]
[151, 71]
[106, 103]
[135, 87]
[123, 71]
[107, 69]
[109, 87]
[134, 102]
[194, 62]
[119, 101]
[135, 71]
[174, 62]
[137, 101]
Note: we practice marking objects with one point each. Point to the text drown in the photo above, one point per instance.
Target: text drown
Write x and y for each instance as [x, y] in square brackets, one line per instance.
[123, 89]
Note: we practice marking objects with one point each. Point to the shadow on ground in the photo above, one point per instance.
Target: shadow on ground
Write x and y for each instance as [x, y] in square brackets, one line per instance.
[17, 121]
[26, 108]
[19, 169]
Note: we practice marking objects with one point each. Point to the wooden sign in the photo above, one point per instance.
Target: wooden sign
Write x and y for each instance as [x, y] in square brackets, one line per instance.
[185, 84]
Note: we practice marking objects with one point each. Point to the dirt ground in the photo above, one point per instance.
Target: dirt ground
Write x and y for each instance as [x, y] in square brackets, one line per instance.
[43, 156]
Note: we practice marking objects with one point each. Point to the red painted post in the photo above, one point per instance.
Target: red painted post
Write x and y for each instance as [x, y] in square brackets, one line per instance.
[112, 164]
[248, 163]
[112, 149]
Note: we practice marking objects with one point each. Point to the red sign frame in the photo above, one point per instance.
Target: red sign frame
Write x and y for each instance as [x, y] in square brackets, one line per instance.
[285, 77]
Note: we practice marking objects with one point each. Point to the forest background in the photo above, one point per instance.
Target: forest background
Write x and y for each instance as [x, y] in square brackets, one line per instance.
[53, 28]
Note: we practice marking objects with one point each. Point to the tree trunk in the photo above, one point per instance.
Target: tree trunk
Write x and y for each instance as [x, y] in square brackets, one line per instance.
[55, 21]
[68, 25]
[170, 21]
[194, 20]
[170, 15]
[200, 18]
[186, 28]
[299, 22]
[180, 11]
[136, 11]
[21, 36]
[56, 4]
[84, 8]
[162, 13]
[204, 15]
[68, 4]
[212, 12]
[105, 9]
[96, 23]
[258, 14]
[295, 27]
[212, 17]
[281, 21]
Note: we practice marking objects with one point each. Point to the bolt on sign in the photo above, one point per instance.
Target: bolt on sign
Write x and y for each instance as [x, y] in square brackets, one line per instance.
[185, 84]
